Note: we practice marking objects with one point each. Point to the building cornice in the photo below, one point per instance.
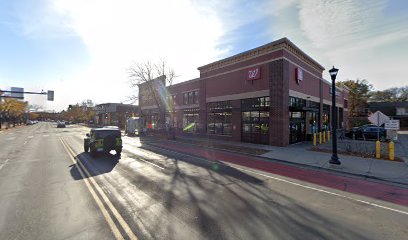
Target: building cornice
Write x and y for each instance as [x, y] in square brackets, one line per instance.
[281, 44]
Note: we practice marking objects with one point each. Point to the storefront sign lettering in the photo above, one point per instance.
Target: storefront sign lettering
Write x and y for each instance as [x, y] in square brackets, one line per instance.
[254, 73]
[299, 75]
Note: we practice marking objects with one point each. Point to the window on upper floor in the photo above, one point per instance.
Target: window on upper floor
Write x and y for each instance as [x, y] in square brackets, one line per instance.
[190, 97]
[185, 98]
[195, 97]
[402, 111]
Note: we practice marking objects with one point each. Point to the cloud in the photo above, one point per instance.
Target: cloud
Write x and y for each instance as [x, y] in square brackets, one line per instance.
[356, 36]
[116, 33]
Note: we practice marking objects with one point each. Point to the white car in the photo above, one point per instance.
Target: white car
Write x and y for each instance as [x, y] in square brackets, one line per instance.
[113, 127]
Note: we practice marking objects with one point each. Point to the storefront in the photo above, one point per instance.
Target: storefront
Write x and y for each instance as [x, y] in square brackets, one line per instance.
[115, 114]
[274, 94]
[255, 120]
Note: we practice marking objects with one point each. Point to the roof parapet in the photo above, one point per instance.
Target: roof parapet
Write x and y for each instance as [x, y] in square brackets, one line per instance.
[282, 43]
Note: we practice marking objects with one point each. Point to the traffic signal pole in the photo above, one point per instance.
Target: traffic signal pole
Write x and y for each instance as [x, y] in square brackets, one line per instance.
[50, 94]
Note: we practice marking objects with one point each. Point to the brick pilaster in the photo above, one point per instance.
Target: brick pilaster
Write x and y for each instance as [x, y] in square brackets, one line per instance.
[279, 97]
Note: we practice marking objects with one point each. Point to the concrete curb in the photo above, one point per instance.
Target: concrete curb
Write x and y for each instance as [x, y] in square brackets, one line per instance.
[305, 166]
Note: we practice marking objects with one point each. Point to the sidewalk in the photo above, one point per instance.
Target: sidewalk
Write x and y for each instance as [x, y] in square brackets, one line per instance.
[300, 154]
[4, 126]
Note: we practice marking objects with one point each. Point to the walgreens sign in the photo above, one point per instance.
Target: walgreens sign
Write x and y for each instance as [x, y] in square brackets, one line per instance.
[254, 73]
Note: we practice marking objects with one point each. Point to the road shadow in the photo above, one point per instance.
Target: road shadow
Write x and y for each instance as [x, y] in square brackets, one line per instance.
[219, 206]
[100, 164]
[215, 166]
[222, 202]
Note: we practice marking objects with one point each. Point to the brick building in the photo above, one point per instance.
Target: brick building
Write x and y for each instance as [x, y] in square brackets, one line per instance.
[274, 94]
[394, 110]
[115, 114]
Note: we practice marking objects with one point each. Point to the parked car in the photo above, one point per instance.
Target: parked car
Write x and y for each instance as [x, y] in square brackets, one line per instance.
[367, 132]
[60, 124]
[103, 140]
[29, 122]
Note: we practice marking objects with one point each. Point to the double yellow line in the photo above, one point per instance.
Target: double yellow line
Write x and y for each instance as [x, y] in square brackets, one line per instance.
[92, 185]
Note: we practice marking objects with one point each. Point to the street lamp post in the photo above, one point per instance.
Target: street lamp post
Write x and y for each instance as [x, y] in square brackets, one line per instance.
[334, 159]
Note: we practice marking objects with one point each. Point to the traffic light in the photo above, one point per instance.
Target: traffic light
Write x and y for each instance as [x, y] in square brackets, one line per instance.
[69, 107]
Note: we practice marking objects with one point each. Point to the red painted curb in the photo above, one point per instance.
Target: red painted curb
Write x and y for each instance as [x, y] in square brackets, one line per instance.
[374, 190]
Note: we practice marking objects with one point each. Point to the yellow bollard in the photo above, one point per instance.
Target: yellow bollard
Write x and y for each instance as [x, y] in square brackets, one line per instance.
[324, 136]
[391, 150]
[328, 136]
[320, 137]
[377, 149]
[314, 139]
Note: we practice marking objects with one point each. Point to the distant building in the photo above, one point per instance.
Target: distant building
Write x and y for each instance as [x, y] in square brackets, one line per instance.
[114, 114]
[274, 94]
[395, 110]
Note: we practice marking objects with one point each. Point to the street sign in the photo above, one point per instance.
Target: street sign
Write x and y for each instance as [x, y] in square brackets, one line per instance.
[50, 95]
[392, 124]
[17, 92]
[378, 118]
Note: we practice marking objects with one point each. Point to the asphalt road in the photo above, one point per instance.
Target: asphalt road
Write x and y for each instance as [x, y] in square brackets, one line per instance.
[151, 193]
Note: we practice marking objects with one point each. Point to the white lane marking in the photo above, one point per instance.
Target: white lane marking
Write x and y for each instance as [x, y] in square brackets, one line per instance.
[11, 138]
[320, 190]
[296, 184]
[115, 212]
[150, 163]
[132, 150]
[46, 135]
[5, 162]
[30, 136]
[25, 142]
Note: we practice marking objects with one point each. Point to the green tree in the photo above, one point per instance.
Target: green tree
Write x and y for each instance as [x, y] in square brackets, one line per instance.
[396, 94]
[359, 95]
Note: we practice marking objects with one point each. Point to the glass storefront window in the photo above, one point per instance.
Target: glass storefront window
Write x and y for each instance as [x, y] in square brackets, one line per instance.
[255, 103]
[255, 116]
[219, 118]
[246, 128]
[246, 116]
[255, 126]
[264, 128]
[313, 122]
[264, 116]
[296, 102]
[191, 120]
[219, 123]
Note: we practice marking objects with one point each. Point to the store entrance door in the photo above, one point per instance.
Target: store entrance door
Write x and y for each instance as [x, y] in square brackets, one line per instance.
[297, 131]
[297, 127]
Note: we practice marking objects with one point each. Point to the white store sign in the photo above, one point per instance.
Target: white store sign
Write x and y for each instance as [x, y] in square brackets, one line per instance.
[392, 124]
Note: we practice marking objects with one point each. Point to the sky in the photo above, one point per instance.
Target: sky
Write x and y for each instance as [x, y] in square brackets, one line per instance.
[82, 49]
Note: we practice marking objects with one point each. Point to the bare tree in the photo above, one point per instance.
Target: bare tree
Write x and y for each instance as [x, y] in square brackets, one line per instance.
[153, 78]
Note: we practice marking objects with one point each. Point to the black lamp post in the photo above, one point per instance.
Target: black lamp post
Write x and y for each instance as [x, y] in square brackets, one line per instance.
[334, 159]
